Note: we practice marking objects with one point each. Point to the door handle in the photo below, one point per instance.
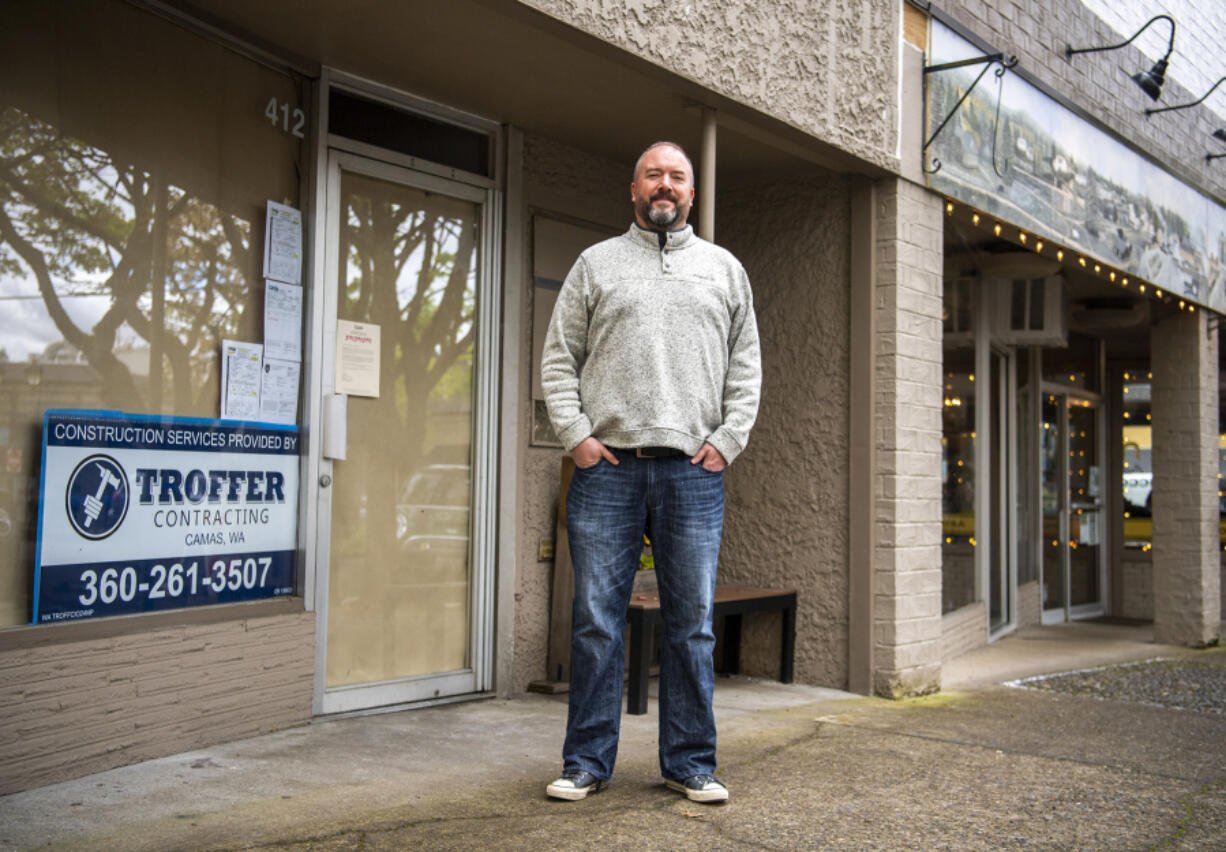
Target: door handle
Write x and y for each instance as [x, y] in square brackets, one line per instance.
[335, 426]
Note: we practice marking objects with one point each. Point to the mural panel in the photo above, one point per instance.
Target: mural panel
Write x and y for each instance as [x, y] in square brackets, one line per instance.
[1016, 153]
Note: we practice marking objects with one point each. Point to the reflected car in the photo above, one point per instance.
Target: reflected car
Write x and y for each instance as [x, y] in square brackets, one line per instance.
[1138, 492]
[433, 508]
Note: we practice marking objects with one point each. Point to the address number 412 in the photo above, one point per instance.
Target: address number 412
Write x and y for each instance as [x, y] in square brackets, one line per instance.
[281, 115]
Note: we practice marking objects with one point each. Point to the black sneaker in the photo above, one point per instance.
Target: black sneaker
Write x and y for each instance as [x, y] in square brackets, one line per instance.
[699, 788]
[574, 785]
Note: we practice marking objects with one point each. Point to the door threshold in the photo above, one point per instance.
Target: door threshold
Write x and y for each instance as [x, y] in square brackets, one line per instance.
[408, 705]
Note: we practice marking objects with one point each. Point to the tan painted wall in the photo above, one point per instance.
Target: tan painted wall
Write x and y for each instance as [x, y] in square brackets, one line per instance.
[786, 517]
[829, 69]
[71, 708]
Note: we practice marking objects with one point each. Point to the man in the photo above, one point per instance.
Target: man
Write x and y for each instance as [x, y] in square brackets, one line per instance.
[651, 374]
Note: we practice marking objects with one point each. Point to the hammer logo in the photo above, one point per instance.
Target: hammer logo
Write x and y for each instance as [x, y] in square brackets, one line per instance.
[97, 497]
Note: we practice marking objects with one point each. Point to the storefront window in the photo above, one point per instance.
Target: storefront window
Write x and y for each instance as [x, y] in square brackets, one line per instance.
[136, 160]
[958, 485]
[1221, 478]
[1138, 468]
[1076, 366]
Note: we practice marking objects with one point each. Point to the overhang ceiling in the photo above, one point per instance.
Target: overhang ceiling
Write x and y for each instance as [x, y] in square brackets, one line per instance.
[1091, 298]
[503, 61]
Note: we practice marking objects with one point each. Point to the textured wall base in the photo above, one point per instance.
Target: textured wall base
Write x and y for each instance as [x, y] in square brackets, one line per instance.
[74, 708]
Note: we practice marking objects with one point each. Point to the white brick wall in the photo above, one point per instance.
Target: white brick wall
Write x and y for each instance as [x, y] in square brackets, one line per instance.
[907, 604]
[1037, 31]
[964, 630]
[1186, 560]
[1200, 33]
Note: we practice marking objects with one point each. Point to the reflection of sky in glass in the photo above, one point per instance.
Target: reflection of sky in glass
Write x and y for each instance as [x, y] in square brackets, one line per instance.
[447, 233]
[26, 328]
[1088, 148]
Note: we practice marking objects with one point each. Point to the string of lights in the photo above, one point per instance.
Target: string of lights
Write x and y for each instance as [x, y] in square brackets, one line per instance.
[1046, 247]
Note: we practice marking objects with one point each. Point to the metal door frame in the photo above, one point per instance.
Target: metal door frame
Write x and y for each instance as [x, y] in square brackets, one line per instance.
[1006, 489]
[1067, 612]
[332, 155]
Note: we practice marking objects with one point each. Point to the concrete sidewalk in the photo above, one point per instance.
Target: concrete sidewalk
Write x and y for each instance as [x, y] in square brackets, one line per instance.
[979, 766]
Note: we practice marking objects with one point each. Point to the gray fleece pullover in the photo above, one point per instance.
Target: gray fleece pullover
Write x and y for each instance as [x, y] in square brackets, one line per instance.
[652, 346]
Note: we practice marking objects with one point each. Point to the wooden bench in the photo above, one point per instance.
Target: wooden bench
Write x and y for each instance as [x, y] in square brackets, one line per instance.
[731, 602]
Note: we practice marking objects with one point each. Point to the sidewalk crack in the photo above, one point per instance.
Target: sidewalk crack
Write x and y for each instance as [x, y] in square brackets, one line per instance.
[1190, 813]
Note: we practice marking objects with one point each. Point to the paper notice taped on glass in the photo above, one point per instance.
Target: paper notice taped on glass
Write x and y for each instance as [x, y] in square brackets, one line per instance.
[240, 380]
[357, 358]
[283, 243]
[279, 391]
[282, 321]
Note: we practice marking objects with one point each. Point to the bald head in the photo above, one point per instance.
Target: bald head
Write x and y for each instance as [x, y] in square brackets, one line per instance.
[662, 191]
[663, 143]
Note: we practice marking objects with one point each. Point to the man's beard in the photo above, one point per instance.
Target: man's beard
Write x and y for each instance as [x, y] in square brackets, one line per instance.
[662, 218]
[659, 216]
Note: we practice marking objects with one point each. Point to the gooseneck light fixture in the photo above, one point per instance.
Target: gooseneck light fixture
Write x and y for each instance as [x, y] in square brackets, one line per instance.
[1150, 81]
[1151, 111]
[1220, 135]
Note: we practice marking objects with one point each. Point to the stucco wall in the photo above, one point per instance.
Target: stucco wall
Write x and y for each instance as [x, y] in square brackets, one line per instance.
[786, 517]
[787, 494]
[561, 180]
[828, 68]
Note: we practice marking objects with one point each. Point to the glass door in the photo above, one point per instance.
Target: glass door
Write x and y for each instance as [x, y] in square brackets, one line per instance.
[1055, 507]
[404, 582]
[1073, 509]
[1086, 511]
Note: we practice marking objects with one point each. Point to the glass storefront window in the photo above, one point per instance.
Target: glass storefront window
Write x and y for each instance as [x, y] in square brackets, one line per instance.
[1076, 366]
[958, 481]
[1137, 466]
[136, 160]
[1221, 479]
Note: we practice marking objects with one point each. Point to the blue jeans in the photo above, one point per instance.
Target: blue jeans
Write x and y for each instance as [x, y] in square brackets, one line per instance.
[608, 508]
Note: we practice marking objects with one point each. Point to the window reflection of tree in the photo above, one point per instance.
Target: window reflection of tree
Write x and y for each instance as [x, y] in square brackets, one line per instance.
[411, 265]
[80, 227]
[84, 223]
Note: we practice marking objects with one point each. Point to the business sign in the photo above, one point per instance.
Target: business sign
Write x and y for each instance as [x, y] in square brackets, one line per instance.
[139, 513]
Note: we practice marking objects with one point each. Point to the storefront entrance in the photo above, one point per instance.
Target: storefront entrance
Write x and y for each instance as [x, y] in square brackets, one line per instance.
[1073, 508]
[404, 500]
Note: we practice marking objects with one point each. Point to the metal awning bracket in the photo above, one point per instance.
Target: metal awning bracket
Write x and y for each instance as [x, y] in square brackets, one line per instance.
[987, 60]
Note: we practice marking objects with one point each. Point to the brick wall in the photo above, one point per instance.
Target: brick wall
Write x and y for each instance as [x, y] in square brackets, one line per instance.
[1200, 33]
[1029, 603]
[964, 630]
[1098, 83]
[1186, 549]
[907, 603]
[72, 708]
[1138, 585]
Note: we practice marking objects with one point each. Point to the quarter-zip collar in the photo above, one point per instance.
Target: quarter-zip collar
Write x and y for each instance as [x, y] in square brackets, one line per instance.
[661, 240]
